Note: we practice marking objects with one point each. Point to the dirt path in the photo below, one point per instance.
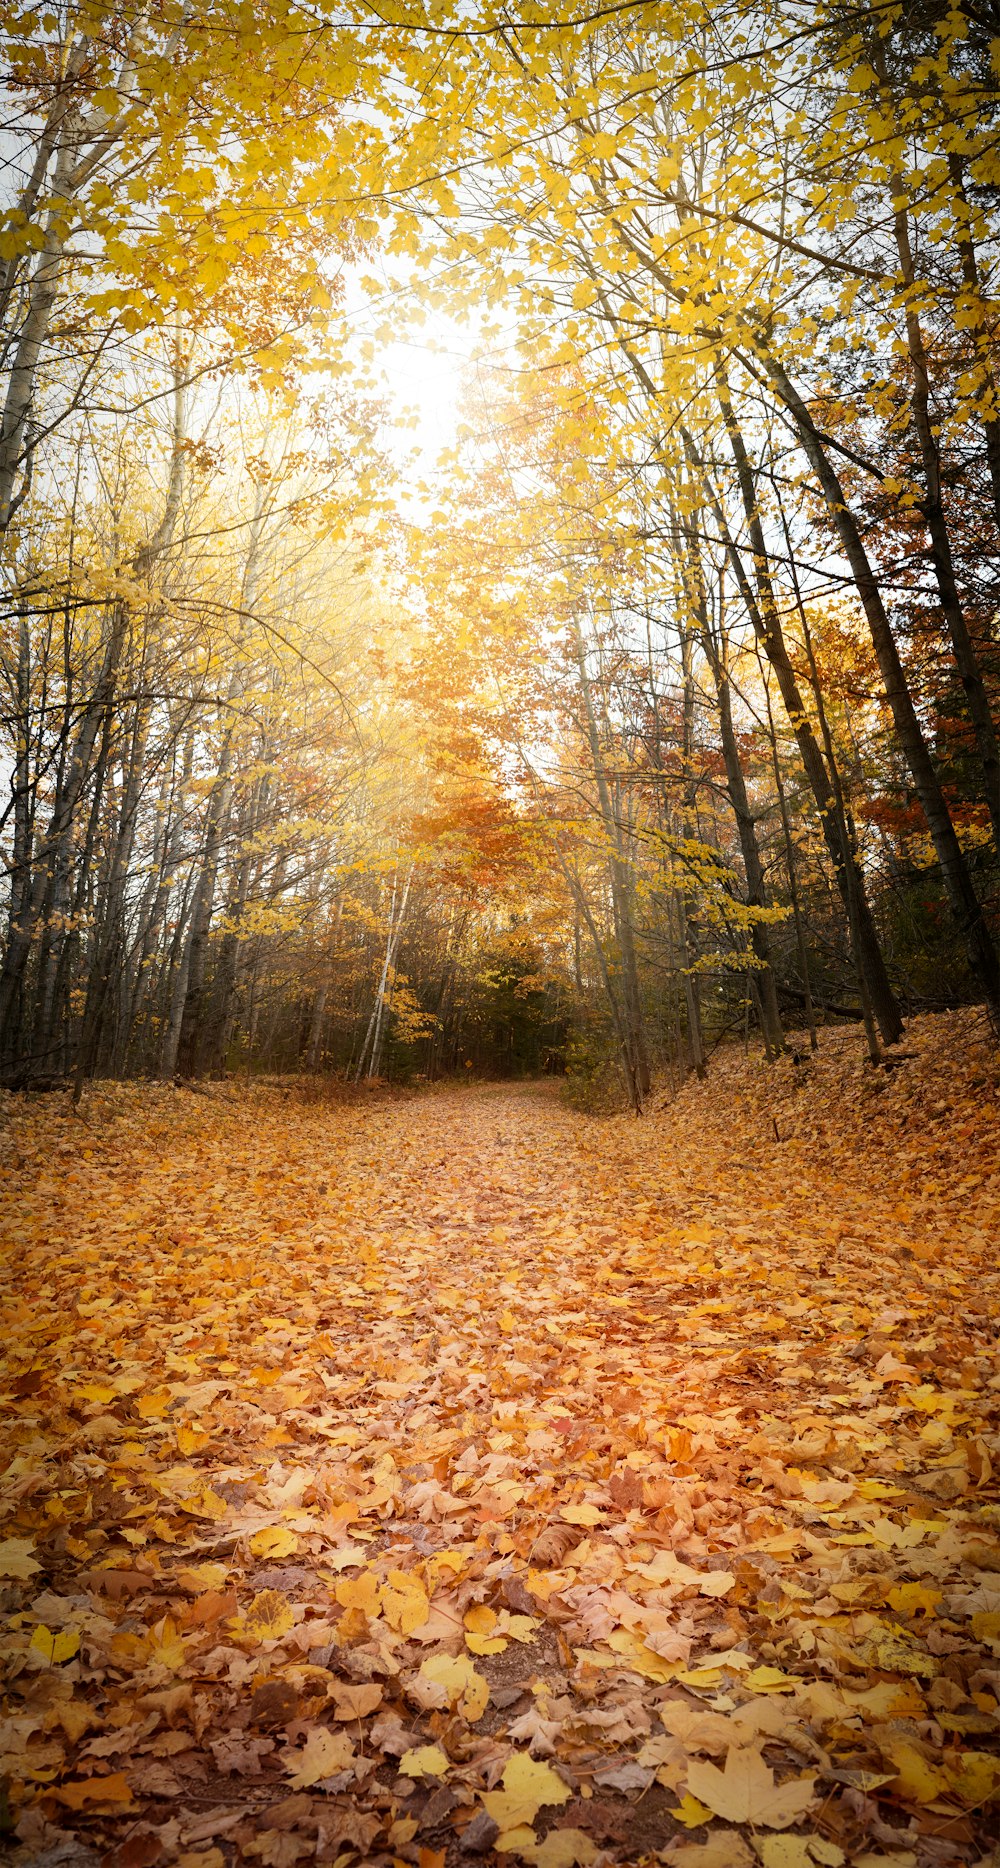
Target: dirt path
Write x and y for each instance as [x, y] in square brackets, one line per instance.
[457, 1478]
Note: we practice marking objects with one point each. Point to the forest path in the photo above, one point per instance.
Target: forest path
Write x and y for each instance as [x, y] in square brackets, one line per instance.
[455, 1477]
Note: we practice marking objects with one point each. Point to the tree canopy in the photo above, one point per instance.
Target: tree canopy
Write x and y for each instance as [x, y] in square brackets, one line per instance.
[666, 703]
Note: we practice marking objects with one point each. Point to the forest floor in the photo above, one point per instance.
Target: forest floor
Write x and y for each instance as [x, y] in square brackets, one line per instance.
[454, 1478]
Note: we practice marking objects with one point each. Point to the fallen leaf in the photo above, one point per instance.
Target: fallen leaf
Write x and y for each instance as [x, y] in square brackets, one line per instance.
[277, 1848]
[94, 1793]
[17, 1558]
[55, 1648]
[745, 1790]
[691, 1812]
[359, 1592]
[724, 1848]
[323, 1754]
[274, 1540]
[528, 1786]
[404, 1603]
[562, 1848]
[356, 1702]
[269, 1616]
[424, 1761]
[462, 1685]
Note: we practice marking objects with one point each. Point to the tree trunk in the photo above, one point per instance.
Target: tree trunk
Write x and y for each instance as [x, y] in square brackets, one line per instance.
[634, 1037]
[967, 908]
[190, 1039]
[717, 657]
[983, 343]
[767, 628]
[790, 869]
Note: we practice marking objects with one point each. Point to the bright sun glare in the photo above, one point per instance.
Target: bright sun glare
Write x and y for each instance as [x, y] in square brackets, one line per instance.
[425, 379]
[422, 372]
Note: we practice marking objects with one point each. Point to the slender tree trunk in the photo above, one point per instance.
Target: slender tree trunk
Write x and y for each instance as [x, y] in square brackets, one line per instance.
[967, 907]
[315, 1038]
[190, 1041]
[175, 793]
[686, 904]
[621, 895]
[717, 657]
[79, 146]
[976, 698]
[97, 1035]
[983, 342]
[790, 868]
[767, 628]
[52, 853]
[371, 1050]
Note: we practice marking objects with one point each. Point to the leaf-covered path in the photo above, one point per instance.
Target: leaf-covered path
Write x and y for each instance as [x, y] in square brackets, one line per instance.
[456, 1478]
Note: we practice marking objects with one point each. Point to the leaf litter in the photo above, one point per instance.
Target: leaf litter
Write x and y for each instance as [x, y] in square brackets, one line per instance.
[458, 1479]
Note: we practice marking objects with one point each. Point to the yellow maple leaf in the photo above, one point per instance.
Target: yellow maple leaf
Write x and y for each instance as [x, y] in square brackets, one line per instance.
[199, 1577]
[445, 1563]
[892, 1650]
[789, 1852]
[55, 1648]
[918, 1780]
[769, 1680]
[480, 1618]
[191, 1440]
[274, 1540]
[528, 1786]
[745, 1790]
[485, 1644]
[562, 1848]
[323, 1754]
[166, 1648]
[717, 1583]
[914, 1598]
[515, 1841]
[691, 1813]
[205, 1504]
[359, 1592]
[404, 1603]
[424, 1761]
[356, 1701]
[973, 1775]
[269, 1616]
[641, 1658]
[523, 1628]
[480, 1621]
[16, 1558]
[588, 1515]
[463, 1685]
[93, 1793]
